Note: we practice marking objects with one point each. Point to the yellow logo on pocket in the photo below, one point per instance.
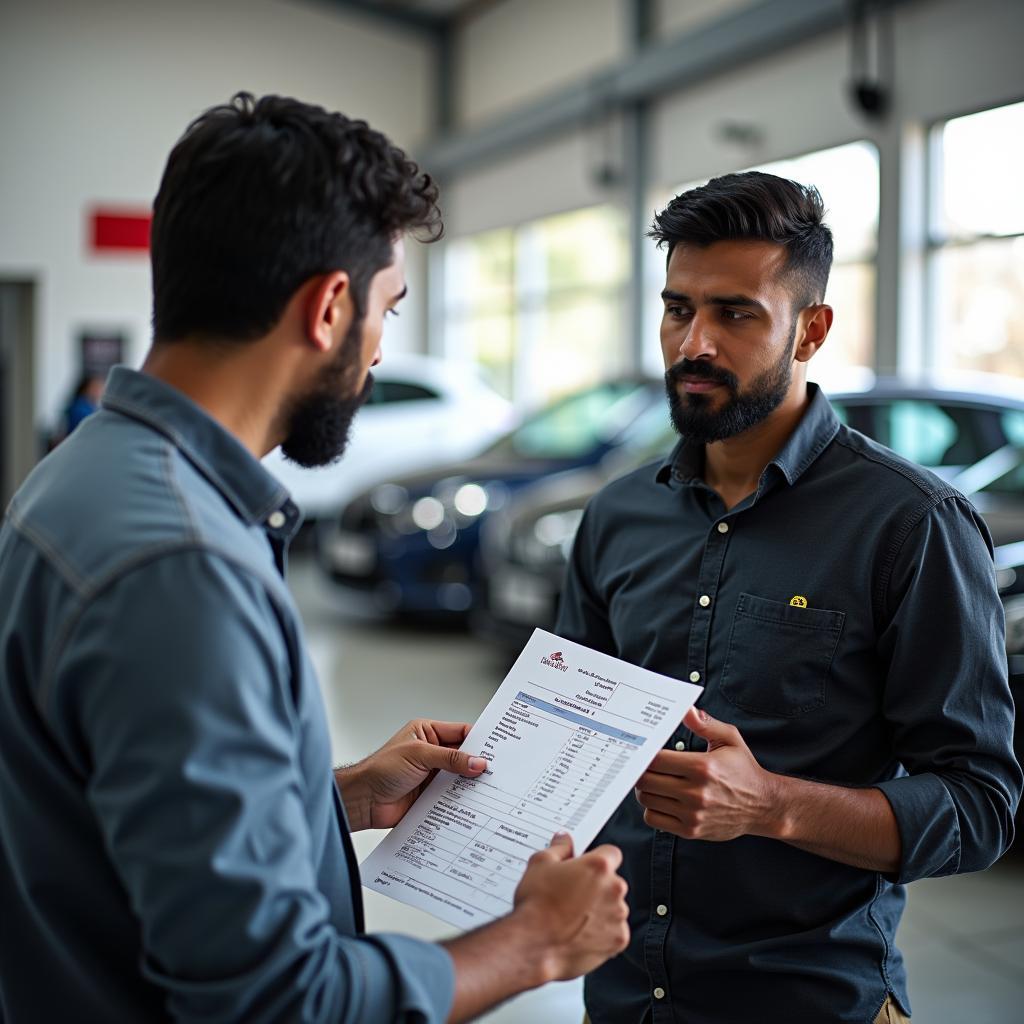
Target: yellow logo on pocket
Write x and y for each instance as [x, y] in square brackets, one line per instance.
[798, 602]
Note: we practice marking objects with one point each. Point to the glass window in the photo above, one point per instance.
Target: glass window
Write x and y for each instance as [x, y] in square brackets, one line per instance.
[977, 242]
[981, 160]
[979, 295]
[541, 307]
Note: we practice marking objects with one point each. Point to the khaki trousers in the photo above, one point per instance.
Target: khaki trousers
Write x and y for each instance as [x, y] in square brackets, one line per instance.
[890, 1013]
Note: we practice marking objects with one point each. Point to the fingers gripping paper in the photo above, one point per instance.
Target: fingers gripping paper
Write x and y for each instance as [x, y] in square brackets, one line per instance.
[567, 735]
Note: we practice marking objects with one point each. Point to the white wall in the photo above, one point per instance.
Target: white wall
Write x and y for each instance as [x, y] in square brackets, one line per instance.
[94, 93]
[534, 182]
[515, 51]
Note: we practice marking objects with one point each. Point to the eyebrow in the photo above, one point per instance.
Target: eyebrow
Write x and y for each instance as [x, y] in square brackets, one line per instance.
[668, 295]
[401, 295]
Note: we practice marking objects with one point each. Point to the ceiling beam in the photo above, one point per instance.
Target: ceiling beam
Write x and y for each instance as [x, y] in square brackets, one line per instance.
[746, 35]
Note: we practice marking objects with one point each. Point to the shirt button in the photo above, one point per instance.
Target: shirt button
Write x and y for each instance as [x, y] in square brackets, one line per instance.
[723, 527]
[659, 993]
[662, 910]
[694, 677]
[680, 745]
[704, 600]
[276, 520]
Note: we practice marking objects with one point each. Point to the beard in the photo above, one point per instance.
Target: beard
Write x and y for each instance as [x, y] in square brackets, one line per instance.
[318, 422]
[694, 416]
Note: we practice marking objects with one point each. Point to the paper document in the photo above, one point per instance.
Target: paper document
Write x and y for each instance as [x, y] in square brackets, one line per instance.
[567, 735]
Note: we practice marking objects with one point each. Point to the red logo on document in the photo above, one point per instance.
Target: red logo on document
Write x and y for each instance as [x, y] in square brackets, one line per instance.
[555, 661]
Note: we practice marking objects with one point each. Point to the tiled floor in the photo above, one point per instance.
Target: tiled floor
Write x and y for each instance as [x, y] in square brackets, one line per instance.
[963, 937]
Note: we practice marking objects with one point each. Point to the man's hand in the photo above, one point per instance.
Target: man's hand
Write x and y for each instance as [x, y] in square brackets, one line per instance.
[725, 793]
[717, 795]
[382, 787]
[569, 916]
[577, 906]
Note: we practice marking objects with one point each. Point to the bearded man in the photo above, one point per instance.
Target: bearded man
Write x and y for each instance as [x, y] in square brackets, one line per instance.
[839, 607]
[173, 844]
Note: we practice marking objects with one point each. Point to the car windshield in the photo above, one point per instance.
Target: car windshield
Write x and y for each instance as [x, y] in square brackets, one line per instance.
[1002, 472]
[651, 432]
[578, 423]
[949, 435]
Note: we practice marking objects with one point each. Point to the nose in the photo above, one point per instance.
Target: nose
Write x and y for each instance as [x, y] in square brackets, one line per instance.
[377, 357]
[698, 342]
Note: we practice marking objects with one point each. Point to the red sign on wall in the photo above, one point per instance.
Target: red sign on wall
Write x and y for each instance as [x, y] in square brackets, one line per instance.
[119, 230]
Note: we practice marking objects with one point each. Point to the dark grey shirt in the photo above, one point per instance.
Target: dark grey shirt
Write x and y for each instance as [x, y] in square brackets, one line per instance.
[172, 845]
[845, 618]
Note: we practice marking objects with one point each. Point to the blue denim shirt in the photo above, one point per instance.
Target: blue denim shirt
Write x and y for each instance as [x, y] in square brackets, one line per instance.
[172, 845]
[845, 618]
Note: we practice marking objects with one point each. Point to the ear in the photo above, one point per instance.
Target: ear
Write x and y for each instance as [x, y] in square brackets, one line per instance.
[816, 323]
[328, 309]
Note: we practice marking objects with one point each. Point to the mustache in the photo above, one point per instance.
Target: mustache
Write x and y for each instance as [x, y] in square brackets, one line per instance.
[703, 370]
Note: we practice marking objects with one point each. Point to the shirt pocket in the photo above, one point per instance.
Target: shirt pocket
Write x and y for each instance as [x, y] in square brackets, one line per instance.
[779, 657]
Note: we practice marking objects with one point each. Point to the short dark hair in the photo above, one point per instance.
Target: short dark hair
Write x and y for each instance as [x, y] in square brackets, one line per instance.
[258, 196]
[761, 207]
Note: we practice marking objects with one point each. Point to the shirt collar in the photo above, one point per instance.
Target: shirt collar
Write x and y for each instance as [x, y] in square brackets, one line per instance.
[815, 431]
[252, 492]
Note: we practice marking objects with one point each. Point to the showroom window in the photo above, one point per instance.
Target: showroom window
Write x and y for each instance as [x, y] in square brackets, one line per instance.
[847, 177]
[541, 307]
[977, 242]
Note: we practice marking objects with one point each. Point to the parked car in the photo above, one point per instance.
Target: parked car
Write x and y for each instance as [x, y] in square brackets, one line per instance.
[973, 439]
[410, 541]
[422, 410]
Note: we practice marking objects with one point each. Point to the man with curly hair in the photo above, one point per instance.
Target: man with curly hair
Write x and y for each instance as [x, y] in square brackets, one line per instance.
[173, 844]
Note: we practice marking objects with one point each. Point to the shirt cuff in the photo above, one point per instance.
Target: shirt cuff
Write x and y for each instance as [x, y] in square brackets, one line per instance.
[928, 824]
[407, 980]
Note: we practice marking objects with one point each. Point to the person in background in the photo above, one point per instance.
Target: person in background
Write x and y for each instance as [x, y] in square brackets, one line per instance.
[173, 842]
[838, 606]
[84, 401]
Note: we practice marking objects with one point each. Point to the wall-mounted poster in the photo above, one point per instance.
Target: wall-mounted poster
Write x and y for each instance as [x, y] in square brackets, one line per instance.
[100, 350]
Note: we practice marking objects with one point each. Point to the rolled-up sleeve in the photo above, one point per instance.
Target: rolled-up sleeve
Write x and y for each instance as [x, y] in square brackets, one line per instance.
[947, 698]
[193, 740]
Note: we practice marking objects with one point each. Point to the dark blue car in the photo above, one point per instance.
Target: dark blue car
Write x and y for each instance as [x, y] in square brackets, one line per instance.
[411, 543]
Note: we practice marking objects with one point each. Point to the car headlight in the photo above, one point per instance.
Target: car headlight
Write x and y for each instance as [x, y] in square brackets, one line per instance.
[451, 505]
[470, 500]
[389, 499]
[428, 513]
[1014, 609]
[548, 540]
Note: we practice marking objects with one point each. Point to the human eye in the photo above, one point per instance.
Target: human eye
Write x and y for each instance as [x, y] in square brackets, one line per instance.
[392, 312]
[735, 315]
[676, 311]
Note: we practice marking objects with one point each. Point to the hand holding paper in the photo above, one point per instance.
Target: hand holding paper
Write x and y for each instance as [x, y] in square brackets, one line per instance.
[566, 737]
[382, 787]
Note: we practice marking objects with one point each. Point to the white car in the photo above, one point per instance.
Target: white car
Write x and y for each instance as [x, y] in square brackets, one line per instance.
[423, 410]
